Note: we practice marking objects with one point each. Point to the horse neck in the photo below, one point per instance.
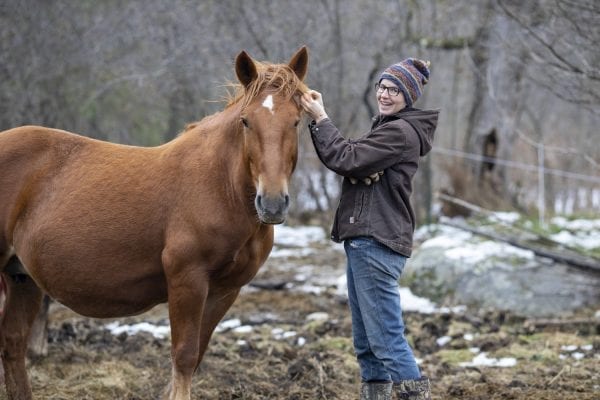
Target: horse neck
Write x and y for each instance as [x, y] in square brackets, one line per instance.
[215, 147]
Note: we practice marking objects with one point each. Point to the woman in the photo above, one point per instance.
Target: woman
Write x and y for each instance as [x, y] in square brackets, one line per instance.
[375, 221]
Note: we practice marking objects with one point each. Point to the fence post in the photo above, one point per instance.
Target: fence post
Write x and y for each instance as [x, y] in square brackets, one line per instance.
[541, 185]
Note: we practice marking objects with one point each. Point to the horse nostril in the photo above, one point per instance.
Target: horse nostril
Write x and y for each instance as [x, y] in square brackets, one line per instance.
[286, 199]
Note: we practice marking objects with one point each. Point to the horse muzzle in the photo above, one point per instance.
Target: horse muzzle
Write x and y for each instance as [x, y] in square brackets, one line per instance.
[272, 209]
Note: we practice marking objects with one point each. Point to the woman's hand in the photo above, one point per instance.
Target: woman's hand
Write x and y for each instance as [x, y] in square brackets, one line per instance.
[368, 180]
[312, 103]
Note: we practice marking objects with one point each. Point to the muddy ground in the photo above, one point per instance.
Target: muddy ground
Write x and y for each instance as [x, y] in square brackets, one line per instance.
[283, 350]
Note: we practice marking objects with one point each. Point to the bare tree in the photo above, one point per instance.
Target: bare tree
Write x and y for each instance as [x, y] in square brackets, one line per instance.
[138, 71]
[561, 38]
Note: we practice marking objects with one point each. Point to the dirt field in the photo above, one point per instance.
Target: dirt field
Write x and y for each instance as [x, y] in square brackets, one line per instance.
[293, 342]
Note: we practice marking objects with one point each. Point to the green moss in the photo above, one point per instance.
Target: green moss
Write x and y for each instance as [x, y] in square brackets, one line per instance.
[458, 328]
[531, 339]
[528, 352]
[335, 343]
[434, 290]
[456, 356]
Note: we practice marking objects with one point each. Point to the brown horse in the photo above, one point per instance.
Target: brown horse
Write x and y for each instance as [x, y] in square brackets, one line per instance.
[111, 230]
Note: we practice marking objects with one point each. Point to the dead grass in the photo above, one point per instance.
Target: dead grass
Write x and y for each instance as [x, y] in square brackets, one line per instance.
[86, 362]
[137, 367]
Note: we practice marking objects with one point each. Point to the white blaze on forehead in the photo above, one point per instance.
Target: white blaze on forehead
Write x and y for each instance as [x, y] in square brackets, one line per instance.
[268, 103]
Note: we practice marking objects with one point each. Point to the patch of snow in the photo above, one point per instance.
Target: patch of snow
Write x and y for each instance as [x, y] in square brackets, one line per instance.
[280, 334]
[482, 360]
[242, 329]
[287, 253]
[312, 289]
[587, 241]
[158, 331]
[411, 302]
[576, 224]
[317, 316]
[571, 347]
[442, 341]
[298, 236]
[228, 325]
[453, 310]
[579, 232]
[342, 287]
[448, 238]
[507, 217]
[578, 355]
[475, 253]
[300, 277]
[276, 331]
[338, 247]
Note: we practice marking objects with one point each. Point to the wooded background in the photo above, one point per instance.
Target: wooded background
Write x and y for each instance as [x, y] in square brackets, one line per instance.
[517, 83]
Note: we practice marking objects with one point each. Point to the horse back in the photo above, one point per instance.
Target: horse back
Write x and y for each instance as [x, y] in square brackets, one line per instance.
[52, 177]
[71, 206]
[28, 155]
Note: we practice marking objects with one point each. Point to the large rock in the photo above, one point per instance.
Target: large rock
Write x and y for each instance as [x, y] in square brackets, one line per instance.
[454, 267]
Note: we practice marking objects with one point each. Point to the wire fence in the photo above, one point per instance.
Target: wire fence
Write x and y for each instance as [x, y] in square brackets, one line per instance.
[541, 171]
[566, 203]
[516, 164]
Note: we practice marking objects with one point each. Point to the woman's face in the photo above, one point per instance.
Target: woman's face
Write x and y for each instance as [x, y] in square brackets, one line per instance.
[389, 103]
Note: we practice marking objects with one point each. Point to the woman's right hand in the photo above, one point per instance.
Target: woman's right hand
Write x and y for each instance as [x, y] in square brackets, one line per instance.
[312, 103]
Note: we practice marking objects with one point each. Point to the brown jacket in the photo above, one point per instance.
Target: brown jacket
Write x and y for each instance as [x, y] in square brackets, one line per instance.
[394, 145]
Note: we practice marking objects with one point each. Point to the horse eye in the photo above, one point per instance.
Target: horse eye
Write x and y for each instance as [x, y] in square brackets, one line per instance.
[245, 122]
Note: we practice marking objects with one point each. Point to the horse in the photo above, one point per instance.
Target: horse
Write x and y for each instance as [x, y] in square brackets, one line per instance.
[111, 230]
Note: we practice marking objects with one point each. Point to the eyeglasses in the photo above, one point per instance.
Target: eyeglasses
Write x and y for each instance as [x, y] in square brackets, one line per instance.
[391, 90]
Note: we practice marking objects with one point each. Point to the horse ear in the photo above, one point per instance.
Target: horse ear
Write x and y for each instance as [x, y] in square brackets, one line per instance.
[299, 62]
[245, 69]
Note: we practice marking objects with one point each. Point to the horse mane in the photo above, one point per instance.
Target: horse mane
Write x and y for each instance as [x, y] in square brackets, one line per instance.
[279, 77]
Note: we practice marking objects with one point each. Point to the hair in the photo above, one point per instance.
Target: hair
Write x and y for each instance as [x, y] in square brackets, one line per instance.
[279, 77]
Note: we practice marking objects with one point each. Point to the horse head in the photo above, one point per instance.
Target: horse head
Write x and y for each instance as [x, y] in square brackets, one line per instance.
[269, 118]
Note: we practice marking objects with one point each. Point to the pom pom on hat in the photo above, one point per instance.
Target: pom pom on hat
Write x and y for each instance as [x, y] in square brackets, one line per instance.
[410, 75]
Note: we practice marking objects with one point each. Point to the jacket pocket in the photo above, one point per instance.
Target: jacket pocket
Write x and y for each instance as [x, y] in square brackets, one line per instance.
[359, 206]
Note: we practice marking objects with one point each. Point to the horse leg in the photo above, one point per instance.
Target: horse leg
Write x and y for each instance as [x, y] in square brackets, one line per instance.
[217, 304]
[38, 338]
[186, 306]
[23, 300]
[2, 298]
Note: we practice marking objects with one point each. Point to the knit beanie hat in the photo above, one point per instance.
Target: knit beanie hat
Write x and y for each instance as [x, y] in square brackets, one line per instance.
[410, 75]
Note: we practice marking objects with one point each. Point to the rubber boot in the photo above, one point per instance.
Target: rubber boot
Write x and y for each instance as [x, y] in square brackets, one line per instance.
[417, 389]
[376, 391]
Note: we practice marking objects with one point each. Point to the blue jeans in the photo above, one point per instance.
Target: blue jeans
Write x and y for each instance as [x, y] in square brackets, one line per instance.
[377, 327]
